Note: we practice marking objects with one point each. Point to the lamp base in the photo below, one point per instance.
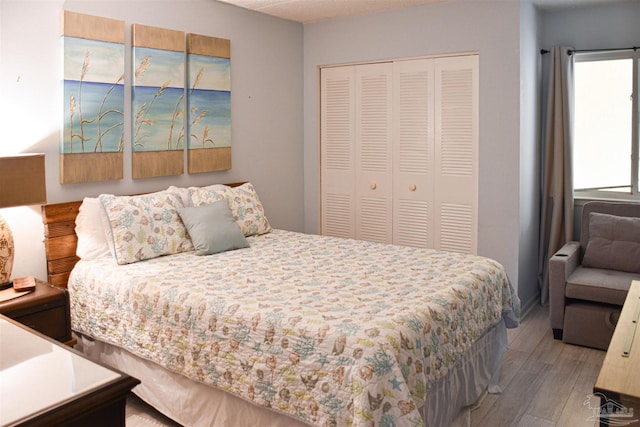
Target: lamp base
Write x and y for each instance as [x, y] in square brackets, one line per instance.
[6, 286]
[6, 253]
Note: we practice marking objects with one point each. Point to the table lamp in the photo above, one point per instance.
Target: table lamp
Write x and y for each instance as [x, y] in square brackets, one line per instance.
[22, 182]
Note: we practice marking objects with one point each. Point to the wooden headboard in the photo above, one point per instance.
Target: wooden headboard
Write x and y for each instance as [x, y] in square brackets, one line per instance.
[60, 240]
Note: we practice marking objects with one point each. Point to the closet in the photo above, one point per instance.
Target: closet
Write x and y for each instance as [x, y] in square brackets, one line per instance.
[399, 152]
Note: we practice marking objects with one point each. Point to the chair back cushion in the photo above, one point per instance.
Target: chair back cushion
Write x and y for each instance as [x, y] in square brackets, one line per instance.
[614, 243]
[613, 239]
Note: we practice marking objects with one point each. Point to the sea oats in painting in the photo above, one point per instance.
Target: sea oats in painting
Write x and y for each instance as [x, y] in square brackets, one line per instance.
[209, 101]
[158, 102]
[92, 129]
[94, 96]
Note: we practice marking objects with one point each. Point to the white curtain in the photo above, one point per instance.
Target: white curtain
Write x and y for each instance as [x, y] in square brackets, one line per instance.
[556, 220]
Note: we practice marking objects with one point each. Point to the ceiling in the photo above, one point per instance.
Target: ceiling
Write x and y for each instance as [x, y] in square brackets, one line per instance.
[306, 11]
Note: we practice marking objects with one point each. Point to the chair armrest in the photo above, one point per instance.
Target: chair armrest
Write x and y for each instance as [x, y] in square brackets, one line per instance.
[566, 260]
[561, 265]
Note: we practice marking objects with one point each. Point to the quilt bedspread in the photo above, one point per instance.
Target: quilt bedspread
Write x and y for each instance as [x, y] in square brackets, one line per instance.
[330, 331]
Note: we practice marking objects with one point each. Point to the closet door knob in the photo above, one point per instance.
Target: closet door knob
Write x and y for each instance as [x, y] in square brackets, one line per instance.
[412, 187]
[372, 186]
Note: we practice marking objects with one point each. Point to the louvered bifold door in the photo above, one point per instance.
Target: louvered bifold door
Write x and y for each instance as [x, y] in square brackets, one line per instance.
[413, 152]
[337, 147]
[456, 154]
[373, 152]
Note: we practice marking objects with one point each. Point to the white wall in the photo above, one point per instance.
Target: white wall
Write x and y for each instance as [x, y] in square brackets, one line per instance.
[266, 102]
[488, 27]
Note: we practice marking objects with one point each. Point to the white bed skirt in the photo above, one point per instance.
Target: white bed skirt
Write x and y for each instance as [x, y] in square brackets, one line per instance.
[195, 404]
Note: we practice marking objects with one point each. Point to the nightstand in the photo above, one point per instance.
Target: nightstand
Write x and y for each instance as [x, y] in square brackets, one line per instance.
[46, 309]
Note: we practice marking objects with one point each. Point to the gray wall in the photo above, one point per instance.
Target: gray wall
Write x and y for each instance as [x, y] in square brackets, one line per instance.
[616, 25]
[275, 99]
[529, 155]
[598, 27]
[488, 27]
[508, 37]
[266, 100]
[608, 26]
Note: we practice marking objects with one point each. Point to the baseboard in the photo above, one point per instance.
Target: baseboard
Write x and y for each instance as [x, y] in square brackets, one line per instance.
[530, 304]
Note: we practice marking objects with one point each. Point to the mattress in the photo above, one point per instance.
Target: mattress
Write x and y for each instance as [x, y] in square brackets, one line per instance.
[329, 331]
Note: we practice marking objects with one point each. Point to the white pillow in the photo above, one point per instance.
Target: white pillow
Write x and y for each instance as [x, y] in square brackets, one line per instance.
[92, 226]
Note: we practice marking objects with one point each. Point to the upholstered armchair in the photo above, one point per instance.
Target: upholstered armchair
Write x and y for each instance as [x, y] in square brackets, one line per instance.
[589, 279]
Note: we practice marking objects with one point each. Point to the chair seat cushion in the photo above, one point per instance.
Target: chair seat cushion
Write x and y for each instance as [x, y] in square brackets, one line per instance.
[599, 285]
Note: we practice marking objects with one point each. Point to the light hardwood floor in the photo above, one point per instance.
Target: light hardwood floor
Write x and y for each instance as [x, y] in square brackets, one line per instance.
[544, 382]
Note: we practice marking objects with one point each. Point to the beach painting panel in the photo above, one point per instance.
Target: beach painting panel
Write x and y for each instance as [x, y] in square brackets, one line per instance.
[92, 133]
[208, 103]
[158, 102]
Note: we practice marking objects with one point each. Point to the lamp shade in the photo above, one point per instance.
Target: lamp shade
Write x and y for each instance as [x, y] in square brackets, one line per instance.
[22, 180]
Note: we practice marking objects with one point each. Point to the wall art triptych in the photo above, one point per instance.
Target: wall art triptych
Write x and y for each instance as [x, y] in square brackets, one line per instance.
[180, 100]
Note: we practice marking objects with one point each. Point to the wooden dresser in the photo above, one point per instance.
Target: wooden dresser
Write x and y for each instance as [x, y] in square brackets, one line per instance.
[45, 383]
[618, 383]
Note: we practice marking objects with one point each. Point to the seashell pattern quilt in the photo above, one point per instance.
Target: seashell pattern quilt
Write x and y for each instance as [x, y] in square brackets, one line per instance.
[331, 331]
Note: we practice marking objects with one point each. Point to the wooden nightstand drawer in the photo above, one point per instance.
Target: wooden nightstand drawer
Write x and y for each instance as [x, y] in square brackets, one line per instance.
[46, 310]
[48, 322]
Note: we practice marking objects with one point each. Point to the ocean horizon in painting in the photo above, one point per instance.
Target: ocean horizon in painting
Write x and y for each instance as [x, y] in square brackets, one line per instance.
[212, 127]
[94, 117]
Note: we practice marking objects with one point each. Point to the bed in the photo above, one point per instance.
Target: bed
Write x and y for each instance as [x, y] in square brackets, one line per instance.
[275, 327]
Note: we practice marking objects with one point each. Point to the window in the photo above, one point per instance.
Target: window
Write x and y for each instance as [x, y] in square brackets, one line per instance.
[606, 144]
